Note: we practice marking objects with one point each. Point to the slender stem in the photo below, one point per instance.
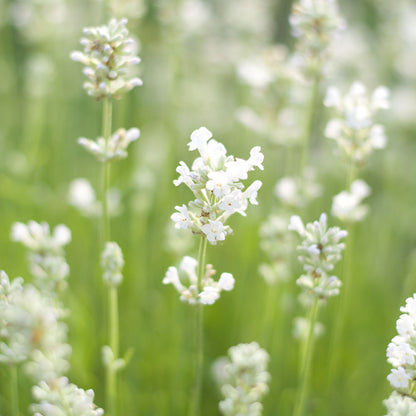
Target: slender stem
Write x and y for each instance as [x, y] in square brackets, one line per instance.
[106, 129]
[306, 362]
[114, 345]
[195, 407]
[309, 124]
[14, 390]
[111, 379]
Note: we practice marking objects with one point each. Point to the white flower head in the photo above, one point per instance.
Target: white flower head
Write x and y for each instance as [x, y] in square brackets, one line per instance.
[243, 378]
[186, 283]
[109, 57]
[353, 128]
[215, 179]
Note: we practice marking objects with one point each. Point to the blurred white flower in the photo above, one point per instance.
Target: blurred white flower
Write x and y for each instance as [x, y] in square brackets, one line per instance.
[354, 130]
[243, 378]
[347, 205]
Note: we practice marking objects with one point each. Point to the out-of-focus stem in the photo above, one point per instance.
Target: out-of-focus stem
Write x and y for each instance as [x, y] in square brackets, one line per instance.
[309, 124]
[106, 128]
[306, 362]
[195, 408]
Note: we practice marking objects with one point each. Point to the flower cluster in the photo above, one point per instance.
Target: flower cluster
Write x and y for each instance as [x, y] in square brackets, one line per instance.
[314, 23]
[215, 180]
[46, 251]
[354, 129]
[32, 330]
[108, 55]
[297, 192]
[347, 205]
[243, 377]
[399, 405]
[320, 249]
[210, 289]
[114, 148]
[112, 262]
[54, 398]
[401, 351]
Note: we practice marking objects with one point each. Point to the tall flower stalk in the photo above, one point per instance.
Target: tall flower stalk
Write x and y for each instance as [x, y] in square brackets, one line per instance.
[357, 135]
[216, 182]
[109, 54]
[319, 251]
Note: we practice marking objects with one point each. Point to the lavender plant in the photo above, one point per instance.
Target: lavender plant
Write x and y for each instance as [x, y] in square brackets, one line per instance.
[319, 251]
[109, 57]
[215, 179]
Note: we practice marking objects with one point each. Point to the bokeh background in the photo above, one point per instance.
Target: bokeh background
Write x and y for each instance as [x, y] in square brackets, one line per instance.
[191, 51]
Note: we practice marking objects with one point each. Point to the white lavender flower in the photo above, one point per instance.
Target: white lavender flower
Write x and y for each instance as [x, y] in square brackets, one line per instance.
[347, 206]
[400, 405]
[32, 330]
[401, 354]
[354, 129]
[215, 180]
[187, 286]
[297, 192]
[112, 262]
[320, 250]
[38, 238]
[315, 23]
[63, 398]
[114, 148]
[108, 56]
[243, 378]
[46, 255]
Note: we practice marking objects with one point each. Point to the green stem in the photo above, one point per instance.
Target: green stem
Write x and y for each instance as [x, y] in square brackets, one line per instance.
[306, 362]
[14, 390]
[111, 379]
[195, 408]
[106, 129]
[114, 345]
[309, 124]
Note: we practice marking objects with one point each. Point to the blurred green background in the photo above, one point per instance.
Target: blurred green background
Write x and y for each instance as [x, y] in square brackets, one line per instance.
[189, 61]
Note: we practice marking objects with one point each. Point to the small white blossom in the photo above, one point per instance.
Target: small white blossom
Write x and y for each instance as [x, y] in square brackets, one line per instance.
[399, 378]
[181, 218]
[187, 285]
